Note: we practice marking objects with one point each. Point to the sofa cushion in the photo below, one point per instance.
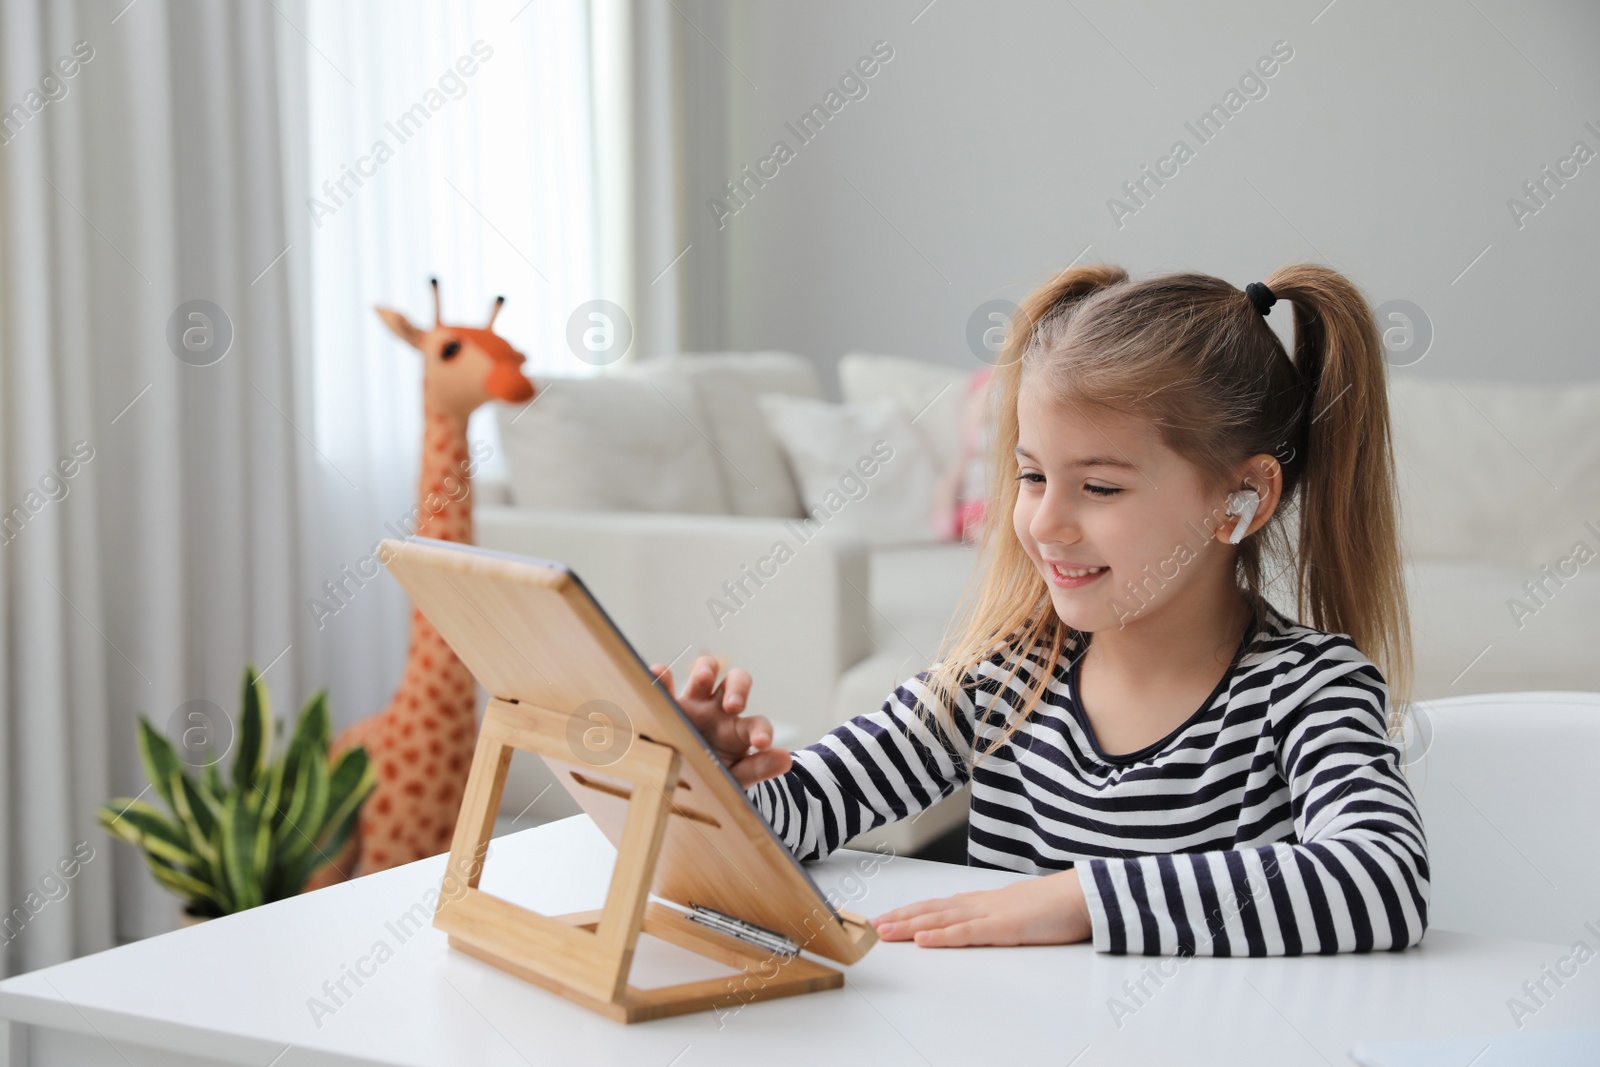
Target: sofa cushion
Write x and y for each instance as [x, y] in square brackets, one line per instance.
[864, 471]
[755, 476]
[1477, 628]
[930, 393]
[1496, 472]
[915, 592]
[611, 443]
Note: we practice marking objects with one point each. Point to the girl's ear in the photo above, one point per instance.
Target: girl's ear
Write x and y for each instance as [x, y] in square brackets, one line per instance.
[1263, 475]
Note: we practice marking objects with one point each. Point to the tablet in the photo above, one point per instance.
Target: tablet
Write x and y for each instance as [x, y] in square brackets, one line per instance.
[533, 634]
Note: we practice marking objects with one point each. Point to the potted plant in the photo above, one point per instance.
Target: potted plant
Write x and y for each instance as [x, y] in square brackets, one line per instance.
[232, 844]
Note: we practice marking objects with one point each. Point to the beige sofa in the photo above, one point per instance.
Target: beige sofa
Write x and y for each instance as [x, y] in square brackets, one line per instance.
[1499, 481]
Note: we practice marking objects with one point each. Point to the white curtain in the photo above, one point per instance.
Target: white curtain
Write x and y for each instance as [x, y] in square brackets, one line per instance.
[149, 177]
[481, 116]
[184, 159]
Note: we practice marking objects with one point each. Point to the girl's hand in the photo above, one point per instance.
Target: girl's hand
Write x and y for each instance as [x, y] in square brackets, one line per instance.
[1035, 911]
[715, 709]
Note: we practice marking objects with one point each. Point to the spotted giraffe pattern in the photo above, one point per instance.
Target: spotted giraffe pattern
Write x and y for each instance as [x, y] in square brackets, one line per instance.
[421, 744]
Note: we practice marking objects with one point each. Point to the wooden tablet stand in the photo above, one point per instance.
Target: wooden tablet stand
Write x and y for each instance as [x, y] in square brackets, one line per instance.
[683, 827]
[586, 956]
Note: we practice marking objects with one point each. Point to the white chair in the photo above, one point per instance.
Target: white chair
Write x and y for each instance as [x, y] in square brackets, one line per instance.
[1510, 800]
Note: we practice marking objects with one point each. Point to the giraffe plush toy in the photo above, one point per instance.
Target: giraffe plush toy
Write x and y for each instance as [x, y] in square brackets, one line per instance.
[421, 744]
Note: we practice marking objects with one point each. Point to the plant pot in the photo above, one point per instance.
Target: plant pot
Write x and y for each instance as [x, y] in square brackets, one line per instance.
[189, 918]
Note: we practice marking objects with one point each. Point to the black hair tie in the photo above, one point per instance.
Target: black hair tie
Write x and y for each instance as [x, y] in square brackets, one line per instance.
[1260, 296]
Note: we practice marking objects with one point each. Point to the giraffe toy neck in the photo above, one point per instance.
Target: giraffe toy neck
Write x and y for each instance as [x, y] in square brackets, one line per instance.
[437, 690]
[444, 485]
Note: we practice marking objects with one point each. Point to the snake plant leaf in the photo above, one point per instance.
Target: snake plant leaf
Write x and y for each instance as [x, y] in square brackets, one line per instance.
[160, 759]
[301, 829]
[270, 794]
[255, 837]
[211, 781]
[255, 798]
[158, 851]
[313, 732]
[109, 815]
[329, 852]
[195, 815]
[255, 733]
[263, 854]
[142, 824]
[352, 778]
[350, 782]
[285, 829]
[341, 833]
[211, 795]
[193, 890]
[217, 878]
[295, 814]
[278, 877]
[245, 840]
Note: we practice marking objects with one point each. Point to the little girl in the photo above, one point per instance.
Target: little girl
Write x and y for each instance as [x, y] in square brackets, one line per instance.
[1192, 771]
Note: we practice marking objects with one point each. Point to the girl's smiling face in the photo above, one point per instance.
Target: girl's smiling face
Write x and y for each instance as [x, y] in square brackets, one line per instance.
[1118, 524]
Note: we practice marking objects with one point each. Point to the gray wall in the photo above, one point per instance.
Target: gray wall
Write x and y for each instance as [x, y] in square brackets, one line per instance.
[982, 158]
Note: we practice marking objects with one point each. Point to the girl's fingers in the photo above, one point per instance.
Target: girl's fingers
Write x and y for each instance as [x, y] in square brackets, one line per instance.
[691, 680]
[731, 734]
[754, 730]
[703, 696]
[736, 691]
[955, 935]
[910, 911]
[763, 765]
[906, 929]
[702, 679]
[701, 684]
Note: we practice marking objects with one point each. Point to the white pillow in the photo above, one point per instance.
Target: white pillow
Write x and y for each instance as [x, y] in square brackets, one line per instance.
[611, 443]
[864, 471]
[930, 393]
[755, 474]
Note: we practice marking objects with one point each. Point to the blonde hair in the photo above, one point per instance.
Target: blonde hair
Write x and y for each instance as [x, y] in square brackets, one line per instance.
[1190, 354]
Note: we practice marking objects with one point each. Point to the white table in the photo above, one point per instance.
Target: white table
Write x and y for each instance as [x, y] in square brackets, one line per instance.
[236, 990]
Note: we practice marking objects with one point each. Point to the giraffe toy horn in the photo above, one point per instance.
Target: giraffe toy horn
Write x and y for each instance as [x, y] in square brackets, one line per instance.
[494, 312]
[437, 318]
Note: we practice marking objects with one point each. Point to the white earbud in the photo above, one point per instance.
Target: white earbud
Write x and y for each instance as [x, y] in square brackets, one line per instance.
[1243, 504]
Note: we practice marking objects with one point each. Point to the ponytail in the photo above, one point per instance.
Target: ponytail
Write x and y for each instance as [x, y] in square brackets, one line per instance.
[1349, 574]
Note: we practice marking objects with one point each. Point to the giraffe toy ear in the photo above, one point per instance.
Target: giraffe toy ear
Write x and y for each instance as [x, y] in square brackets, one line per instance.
[401, 326]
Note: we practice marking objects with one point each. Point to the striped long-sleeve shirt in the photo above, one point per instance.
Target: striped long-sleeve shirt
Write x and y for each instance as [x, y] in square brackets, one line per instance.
[1276, 820]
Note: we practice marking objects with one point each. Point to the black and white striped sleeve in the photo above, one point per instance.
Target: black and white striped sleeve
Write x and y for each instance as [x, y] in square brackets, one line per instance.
[1353, 879]
[875, 769]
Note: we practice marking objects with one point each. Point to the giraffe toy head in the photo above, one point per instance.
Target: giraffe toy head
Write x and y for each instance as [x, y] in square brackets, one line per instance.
[463, 367]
